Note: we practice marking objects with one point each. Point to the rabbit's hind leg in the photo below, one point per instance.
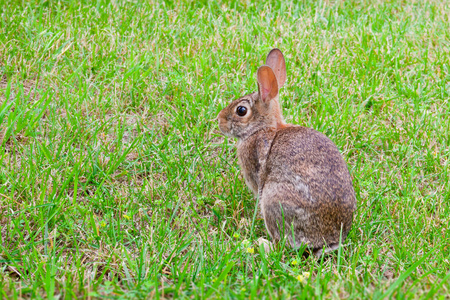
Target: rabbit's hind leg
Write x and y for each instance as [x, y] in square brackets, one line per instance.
[318, 252]
[283, 218]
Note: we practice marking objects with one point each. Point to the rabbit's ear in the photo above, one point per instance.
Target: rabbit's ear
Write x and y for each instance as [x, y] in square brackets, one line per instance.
[275, 60]
[267, 83]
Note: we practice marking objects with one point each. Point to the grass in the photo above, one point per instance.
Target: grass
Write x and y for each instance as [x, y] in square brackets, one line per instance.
[115, 181]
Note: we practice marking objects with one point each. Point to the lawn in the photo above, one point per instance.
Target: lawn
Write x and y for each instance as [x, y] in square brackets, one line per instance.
[116, 182]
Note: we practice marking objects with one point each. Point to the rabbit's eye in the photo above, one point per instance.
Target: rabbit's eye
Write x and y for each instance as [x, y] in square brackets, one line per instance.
[241, 111]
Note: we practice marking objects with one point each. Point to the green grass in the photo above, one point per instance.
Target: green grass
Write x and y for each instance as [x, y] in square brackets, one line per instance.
[115, 180]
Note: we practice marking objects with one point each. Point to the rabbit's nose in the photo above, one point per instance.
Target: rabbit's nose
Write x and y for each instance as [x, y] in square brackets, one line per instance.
[219, 116]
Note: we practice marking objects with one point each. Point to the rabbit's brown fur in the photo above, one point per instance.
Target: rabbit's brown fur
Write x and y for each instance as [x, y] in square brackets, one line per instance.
[301, 179]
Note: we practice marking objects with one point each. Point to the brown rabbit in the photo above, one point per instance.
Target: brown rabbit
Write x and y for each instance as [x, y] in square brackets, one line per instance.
[301, 179]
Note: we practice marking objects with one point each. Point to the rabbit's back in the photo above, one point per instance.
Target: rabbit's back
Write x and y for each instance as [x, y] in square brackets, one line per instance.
[312, 163]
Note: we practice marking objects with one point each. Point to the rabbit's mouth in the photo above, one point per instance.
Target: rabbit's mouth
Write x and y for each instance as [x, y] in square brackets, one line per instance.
[225, 128]
[225, 125]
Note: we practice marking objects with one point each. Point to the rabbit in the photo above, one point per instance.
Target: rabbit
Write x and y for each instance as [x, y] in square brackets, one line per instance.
[302, 181]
